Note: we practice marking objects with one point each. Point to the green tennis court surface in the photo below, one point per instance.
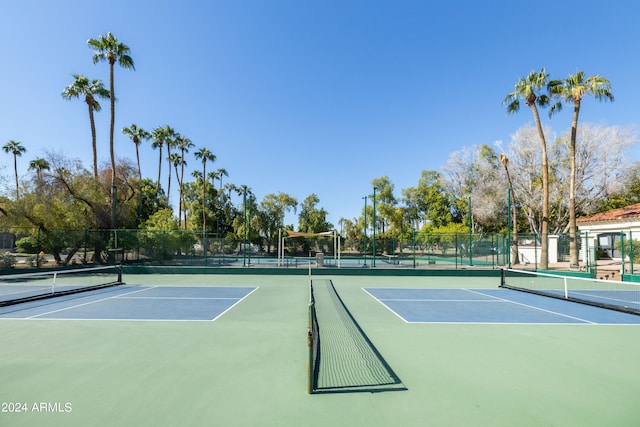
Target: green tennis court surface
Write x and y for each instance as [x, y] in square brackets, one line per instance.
[248, 367]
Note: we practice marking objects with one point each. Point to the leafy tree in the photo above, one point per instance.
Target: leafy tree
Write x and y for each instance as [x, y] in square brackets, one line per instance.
[90, 89]
[162, 236]
[528, 88]
[271, 214]
[473, 175]
[572, 90]
[429, 201]
[627, 194]
[444, 236]
[385, 203]
[312, 219]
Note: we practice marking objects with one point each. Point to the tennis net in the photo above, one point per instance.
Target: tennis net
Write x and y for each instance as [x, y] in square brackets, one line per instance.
[612, 294]
[313, 342]
[18, 288]
[344, 359]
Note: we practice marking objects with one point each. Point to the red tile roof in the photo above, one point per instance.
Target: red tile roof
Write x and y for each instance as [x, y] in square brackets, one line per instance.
[620, 214]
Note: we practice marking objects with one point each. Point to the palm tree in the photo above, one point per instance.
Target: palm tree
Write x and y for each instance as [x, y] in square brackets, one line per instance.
[527, 88]
[184, 144]
[219, 174]
[91, 90]
[16, 149]
[504, 161]
[170, 140]
[108, 48]
[136, 134]
[572, 90]
[159, 136]
[205, 155]
[39, 165]
[175, 160]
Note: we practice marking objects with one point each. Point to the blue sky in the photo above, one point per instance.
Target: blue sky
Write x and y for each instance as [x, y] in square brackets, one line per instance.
[307, 97]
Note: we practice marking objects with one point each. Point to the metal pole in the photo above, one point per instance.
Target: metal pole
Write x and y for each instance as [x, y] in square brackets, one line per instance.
[631, 255]
[414, 248]
[364, 249]
[470, 234]
[114, 204]
[113, 222]
[244, 240]
[339, 248]
[509, 228]
[374, 226]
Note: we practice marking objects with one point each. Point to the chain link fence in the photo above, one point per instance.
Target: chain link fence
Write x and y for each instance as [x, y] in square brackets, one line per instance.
[40, 248]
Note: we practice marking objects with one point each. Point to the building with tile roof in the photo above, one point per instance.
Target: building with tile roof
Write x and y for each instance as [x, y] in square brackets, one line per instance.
[607, 228]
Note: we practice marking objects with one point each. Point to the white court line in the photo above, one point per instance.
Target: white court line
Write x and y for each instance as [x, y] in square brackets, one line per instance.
[435, 300]
[124, 296]
[533, 307]
[385, 305]
[88, 303]
[233, 305]
[497, 299]
[174, 298]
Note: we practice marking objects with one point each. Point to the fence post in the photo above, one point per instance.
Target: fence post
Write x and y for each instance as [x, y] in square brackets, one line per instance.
[631, 256]
[414, 248]
[622, 249]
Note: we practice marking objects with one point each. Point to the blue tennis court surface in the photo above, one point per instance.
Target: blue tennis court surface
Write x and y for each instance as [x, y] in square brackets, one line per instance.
[195, 303]
[491, 306]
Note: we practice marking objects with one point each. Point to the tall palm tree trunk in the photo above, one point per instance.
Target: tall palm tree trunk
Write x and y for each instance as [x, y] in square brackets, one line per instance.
[180, 181]
[138, 160]
[573, 238]
[112, 126]
[204, 196]
[93, 142]
[15, 168]
[169, 166]
[111, 151]
[544, 229]
[159, 169]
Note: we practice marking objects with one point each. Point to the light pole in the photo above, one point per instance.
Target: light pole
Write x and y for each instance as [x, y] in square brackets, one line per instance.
[374, 226]
[244, 241]
[364, 248]
[470, 233]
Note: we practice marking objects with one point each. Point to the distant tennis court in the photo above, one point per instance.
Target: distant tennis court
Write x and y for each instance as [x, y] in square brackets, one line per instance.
[135, 303]
[491, 306]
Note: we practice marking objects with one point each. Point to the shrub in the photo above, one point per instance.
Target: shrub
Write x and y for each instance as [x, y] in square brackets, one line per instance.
[27, 245]
[629, 246]
[7, 260]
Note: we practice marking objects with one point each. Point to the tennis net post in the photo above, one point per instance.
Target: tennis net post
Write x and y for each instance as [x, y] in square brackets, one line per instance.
[312, 343]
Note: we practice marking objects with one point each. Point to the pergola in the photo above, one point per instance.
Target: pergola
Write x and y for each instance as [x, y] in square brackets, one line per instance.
[291, 233]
